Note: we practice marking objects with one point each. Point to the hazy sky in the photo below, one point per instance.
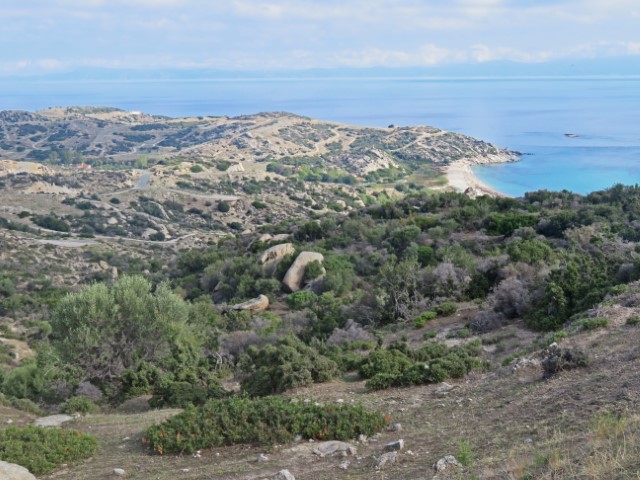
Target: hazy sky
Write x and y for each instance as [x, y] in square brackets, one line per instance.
[50, 35]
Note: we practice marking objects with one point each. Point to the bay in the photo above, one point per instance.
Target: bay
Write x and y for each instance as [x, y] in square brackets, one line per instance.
[530, 115]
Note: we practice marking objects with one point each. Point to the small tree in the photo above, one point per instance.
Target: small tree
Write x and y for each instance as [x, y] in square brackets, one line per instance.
[104, 331]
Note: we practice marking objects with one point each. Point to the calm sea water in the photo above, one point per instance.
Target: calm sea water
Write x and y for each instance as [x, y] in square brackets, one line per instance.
[528, 115]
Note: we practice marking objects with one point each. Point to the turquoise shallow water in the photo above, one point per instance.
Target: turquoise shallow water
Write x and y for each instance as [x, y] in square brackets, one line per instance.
[528, 115]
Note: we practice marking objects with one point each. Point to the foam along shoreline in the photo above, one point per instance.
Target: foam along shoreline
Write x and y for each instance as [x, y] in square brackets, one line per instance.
[460, 176]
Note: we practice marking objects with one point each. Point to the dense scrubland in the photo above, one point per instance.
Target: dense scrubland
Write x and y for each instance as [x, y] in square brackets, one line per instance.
[389, 272]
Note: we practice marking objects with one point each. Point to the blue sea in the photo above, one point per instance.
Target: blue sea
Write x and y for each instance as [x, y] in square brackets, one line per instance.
[530, 115]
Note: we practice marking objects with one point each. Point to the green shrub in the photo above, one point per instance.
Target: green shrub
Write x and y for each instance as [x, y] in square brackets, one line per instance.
[196, 168]
[391, 362]
[301, 299]
[24, 404]
[146, 325]
[422, 319]
[346, 359]
[633, 320]
[181, 394]
[618, 289]
[289, 364]
[313, 270]
[223, 207]
[42, 450]
[51, 222]
[464, 454]
[446, 308]
[82, 405]
[593, 323]
[262, 421]
[432, 363]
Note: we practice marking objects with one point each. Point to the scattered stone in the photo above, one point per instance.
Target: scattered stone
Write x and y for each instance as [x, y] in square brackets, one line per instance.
[52, 421]
[11, 471]
[329, 448]
[262, 458]
[444, 388]
[385, 460]
[297, 438]
[527, 363]
[9, 421]
[394, 446]
[256, 305]
[362, 438]
[293, 279]
[119, 472]
[396, 427]
[344, 465]
[185, 470]
[284, 475]
[446, 462]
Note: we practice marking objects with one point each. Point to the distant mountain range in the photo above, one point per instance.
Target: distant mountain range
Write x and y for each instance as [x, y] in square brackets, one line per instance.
[615, 66]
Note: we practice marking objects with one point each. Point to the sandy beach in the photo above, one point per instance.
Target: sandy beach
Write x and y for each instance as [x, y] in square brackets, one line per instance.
[461, 177]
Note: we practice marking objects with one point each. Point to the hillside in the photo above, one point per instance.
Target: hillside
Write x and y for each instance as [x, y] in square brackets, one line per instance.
[191, 336]
[116, 174]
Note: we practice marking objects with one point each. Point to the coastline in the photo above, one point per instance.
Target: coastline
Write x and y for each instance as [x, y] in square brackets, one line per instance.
[460, 176]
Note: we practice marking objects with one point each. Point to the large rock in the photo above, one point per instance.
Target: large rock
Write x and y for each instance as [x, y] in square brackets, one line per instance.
[11, 471]
[52, 421]
[293, 279]
[256, 305]
[273, 255]
[329, 448]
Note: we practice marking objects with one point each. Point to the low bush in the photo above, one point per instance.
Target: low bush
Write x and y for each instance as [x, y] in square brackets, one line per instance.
[301, 299]
[593, 323]
[42, 450]
[558, 359]
[262, 421]
[182, 393]
[446, 308]
[421, 320]
[432, 363]
[23, 404]
[289, 364]
[82, 405]
[633, 320]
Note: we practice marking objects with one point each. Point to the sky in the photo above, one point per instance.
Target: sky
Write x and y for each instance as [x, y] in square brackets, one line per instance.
[49, 36]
